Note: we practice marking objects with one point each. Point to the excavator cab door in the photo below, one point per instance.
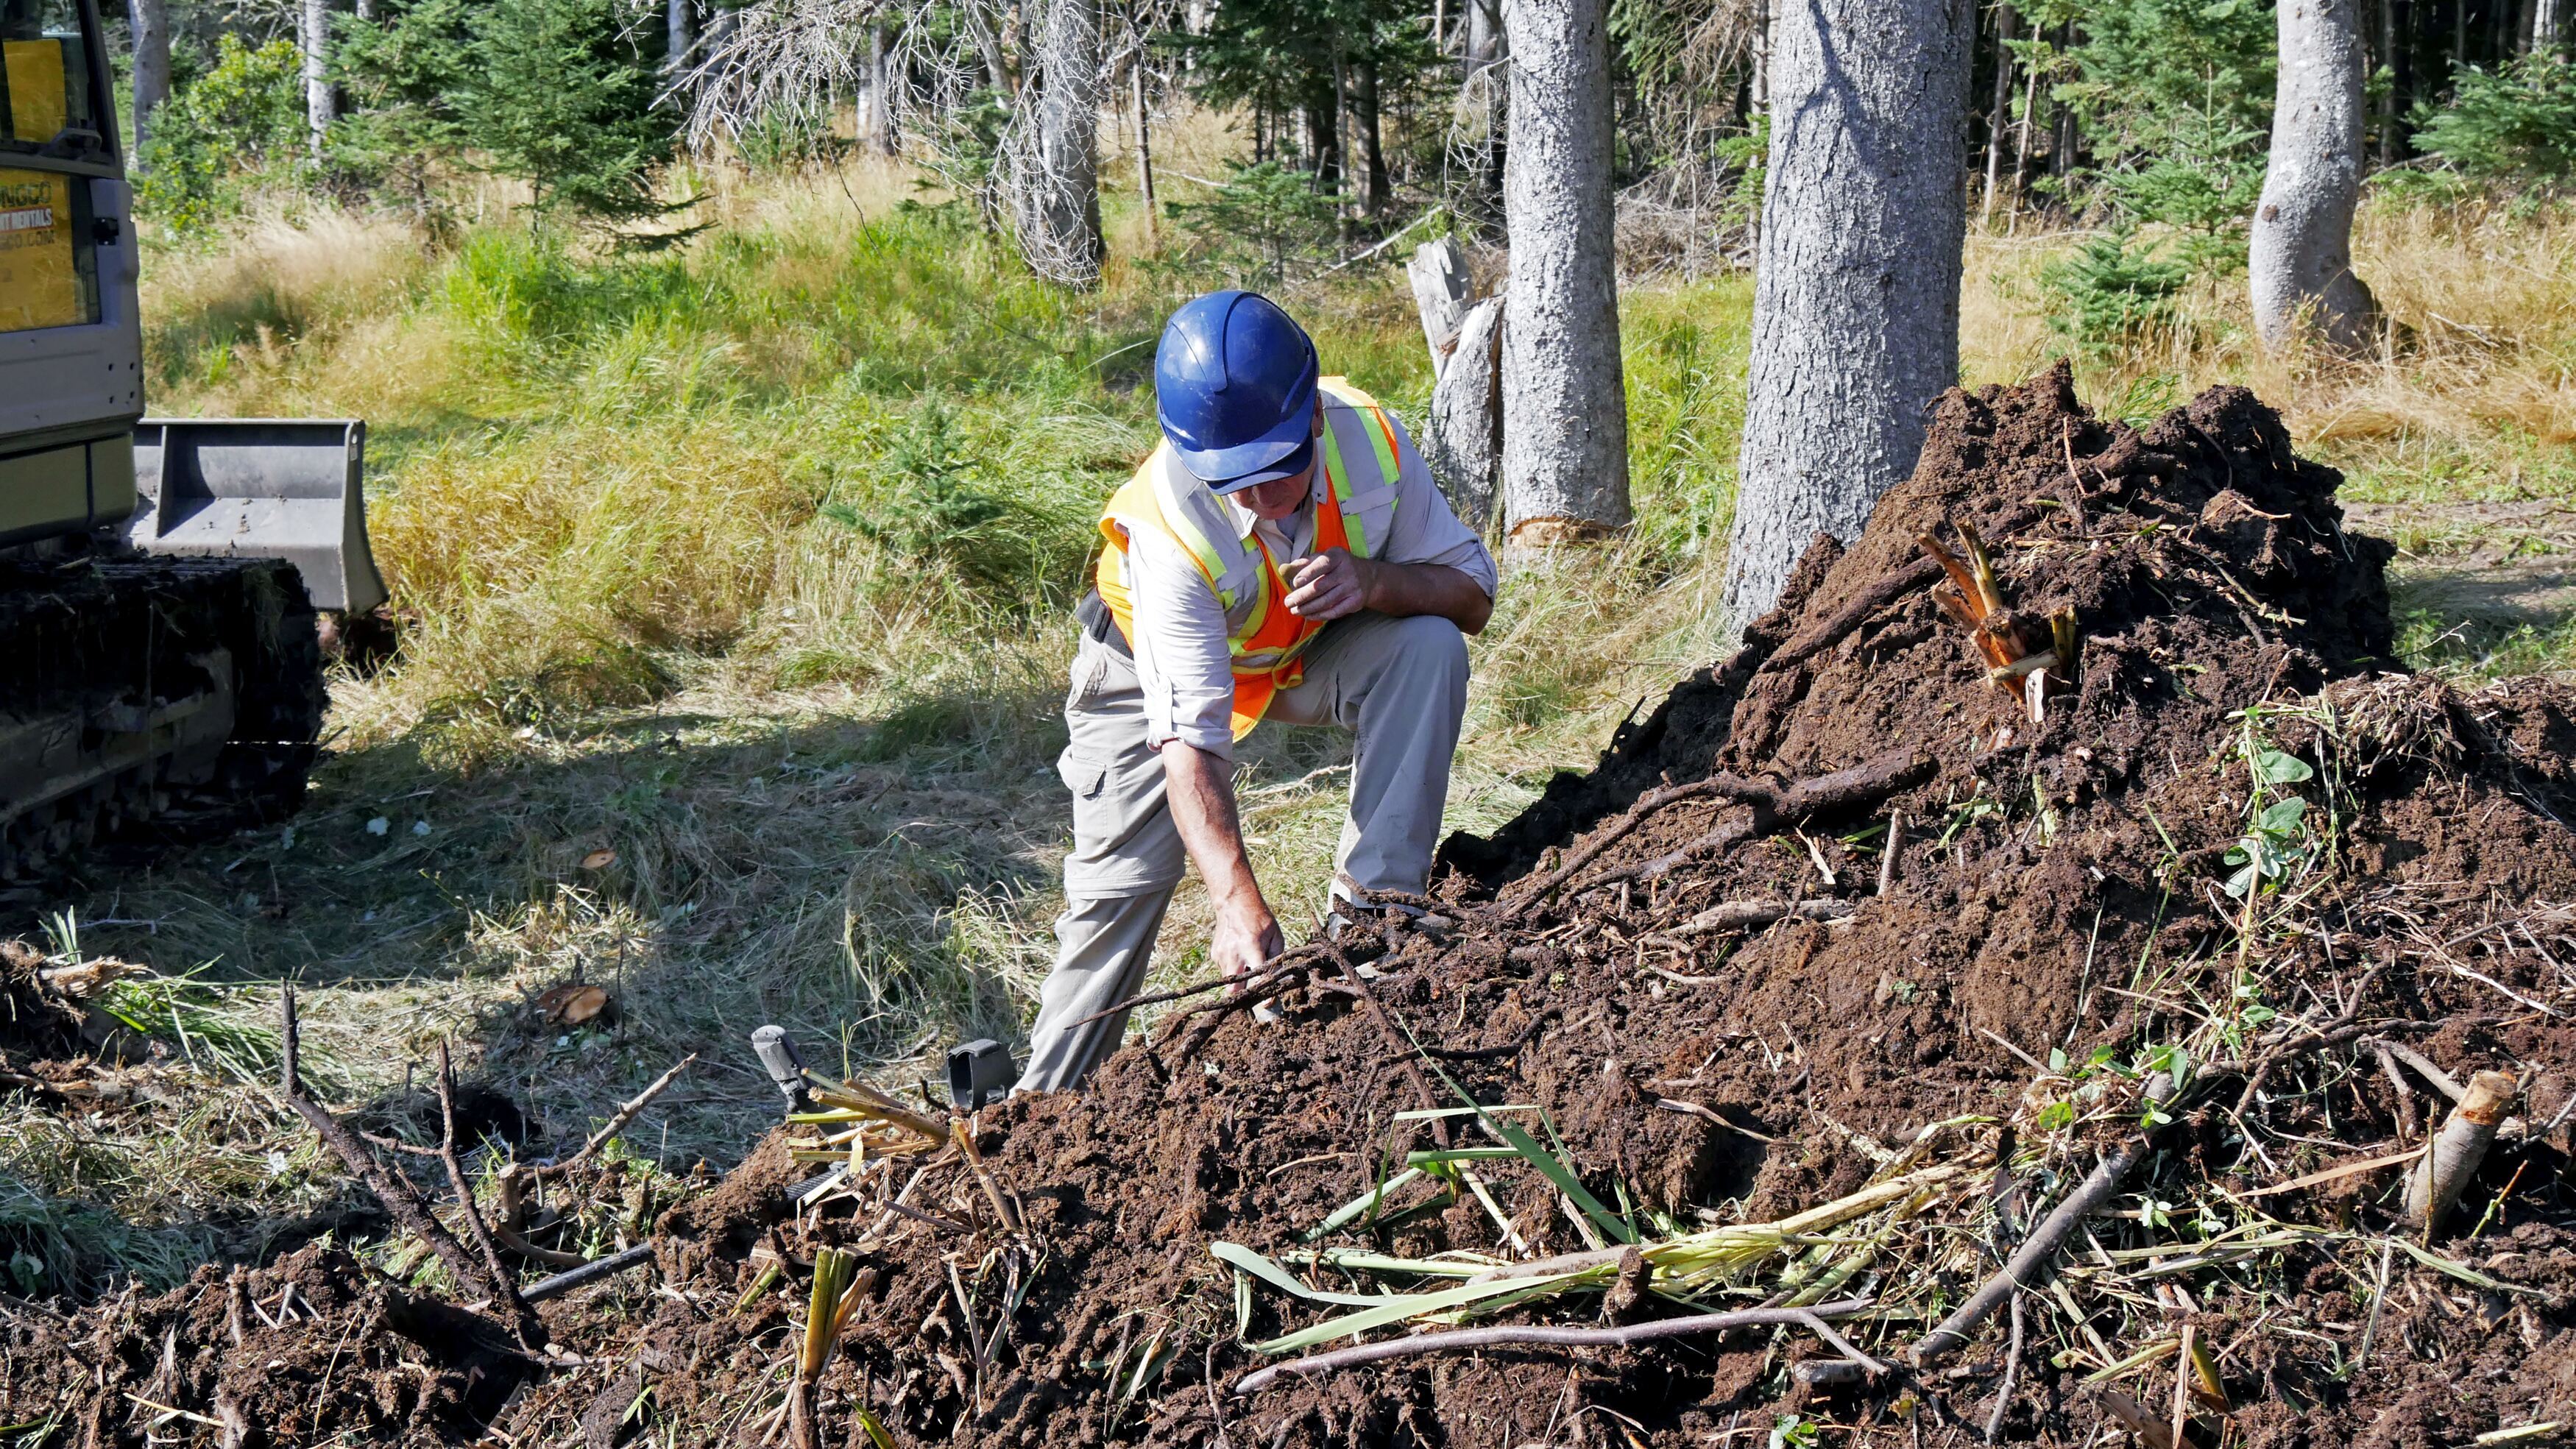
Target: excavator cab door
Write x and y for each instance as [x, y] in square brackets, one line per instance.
[71, 344]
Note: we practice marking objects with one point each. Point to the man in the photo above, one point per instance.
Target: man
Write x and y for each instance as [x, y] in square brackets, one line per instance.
[1283, 555]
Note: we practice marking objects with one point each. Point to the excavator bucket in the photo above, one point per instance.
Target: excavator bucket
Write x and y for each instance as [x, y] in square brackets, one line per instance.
[290, 489]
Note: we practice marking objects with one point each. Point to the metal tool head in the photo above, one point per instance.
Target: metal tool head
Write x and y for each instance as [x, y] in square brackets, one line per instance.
[979, 1072]
[778, 1056]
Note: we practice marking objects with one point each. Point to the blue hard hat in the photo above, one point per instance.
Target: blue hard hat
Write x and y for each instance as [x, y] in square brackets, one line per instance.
[1234, 388]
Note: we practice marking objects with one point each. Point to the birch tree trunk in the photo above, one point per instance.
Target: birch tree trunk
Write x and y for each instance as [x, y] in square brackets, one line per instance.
[151, 22]
[1856, 290]
[2299, 258]
[320, 107]
[1058, 186]
[676, 38]
[1565, 414]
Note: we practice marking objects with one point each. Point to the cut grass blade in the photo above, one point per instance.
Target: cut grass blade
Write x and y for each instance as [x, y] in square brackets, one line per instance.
[1366, 1205]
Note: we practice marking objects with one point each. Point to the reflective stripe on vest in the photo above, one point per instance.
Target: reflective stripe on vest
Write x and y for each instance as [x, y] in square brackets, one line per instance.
[1164, 497]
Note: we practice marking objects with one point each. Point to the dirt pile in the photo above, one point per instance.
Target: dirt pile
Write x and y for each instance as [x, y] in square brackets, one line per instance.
[1847, 933]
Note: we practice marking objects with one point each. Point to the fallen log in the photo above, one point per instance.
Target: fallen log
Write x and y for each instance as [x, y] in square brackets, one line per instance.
[1520, 1335]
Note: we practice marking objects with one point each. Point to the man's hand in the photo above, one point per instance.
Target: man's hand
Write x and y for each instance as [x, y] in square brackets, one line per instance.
[1327, 586]
[1243, 942]
[1333, 584]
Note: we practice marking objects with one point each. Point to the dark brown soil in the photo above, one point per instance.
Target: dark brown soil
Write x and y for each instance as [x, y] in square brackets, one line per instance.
[2058, 895]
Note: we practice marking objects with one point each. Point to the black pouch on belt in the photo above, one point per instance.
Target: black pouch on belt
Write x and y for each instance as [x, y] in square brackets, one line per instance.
[1098, 623]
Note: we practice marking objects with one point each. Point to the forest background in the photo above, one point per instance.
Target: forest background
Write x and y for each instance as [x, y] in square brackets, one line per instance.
[735, 448]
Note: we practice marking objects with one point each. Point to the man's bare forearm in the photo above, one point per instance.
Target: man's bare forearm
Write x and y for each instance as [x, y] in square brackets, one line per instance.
[1201, 788]
[1401, 590]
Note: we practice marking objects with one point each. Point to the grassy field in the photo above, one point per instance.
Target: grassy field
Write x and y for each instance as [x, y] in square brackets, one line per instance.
[735, 582]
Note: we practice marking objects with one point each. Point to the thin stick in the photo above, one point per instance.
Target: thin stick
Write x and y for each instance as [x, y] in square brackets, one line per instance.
[589, 1272]
[2012, 1371]
[1742, 915]
[1403, 1043]
[975, 1163]
[1694, 1109]
[2406, 1126]
[2182, 1383]
[1278, 964]
[399, 1199]
[2378, 1296]
[618, 1122]
[1887, 855]
[505, 1284]
[2035, 1255]
[1515, 1335]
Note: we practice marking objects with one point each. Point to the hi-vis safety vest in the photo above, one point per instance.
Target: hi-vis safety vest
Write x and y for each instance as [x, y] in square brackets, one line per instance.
[1353, 509]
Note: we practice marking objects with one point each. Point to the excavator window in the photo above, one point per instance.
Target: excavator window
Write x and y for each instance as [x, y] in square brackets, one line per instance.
[48, 106]
[48, 267]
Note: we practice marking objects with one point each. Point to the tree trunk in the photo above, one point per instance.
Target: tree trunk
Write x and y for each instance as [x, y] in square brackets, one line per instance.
[366, 9]
[2299, 258]
[1364, 119]
[1481, 118]
[1144, 151]
[676, 35]
[1059, 181]
[320, 107]
[1999, 119]
[879, 135]
[1856, 295]
[1760, 84]
[151, 22]
[1323, 144]
[1565, 415]
[1464, 443]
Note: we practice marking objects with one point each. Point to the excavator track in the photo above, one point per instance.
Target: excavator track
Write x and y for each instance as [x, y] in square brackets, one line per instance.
[150, 697]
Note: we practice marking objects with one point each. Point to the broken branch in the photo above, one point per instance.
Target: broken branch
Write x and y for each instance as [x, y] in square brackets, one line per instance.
[400, 1200]
[2035, 1256]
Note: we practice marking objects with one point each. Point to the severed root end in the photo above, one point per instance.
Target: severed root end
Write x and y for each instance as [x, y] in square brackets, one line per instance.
[1973, 598]
[2459, 1148]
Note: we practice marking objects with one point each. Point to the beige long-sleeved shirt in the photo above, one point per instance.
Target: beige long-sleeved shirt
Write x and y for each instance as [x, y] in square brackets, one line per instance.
[1179, 624]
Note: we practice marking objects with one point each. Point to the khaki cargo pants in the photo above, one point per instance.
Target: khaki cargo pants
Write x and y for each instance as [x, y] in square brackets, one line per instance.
[1400, 684]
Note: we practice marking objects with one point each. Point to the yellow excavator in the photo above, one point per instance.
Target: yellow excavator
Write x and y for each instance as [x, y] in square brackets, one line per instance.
[162, 583]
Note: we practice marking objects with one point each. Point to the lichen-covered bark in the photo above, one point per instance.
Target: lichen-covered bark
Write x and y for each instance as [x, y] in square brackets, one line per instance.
[1565, 415]
[2299, 256]
[1856, 292]
[1057, 184]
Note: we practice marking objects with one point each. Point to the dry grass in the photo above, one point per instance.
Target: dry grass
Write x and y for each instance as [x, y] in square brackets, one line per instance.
[2470, 396]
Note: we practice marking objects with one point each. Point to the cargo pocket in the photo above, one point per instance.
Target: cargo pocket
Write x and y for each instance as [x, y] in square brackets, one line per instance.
[1086, 778]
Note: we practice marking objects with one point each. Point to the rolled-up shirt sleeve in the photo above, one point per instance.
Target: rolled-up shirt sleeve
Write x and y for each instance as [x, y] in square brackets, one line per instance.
[1182, 665]
[1425, 530]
